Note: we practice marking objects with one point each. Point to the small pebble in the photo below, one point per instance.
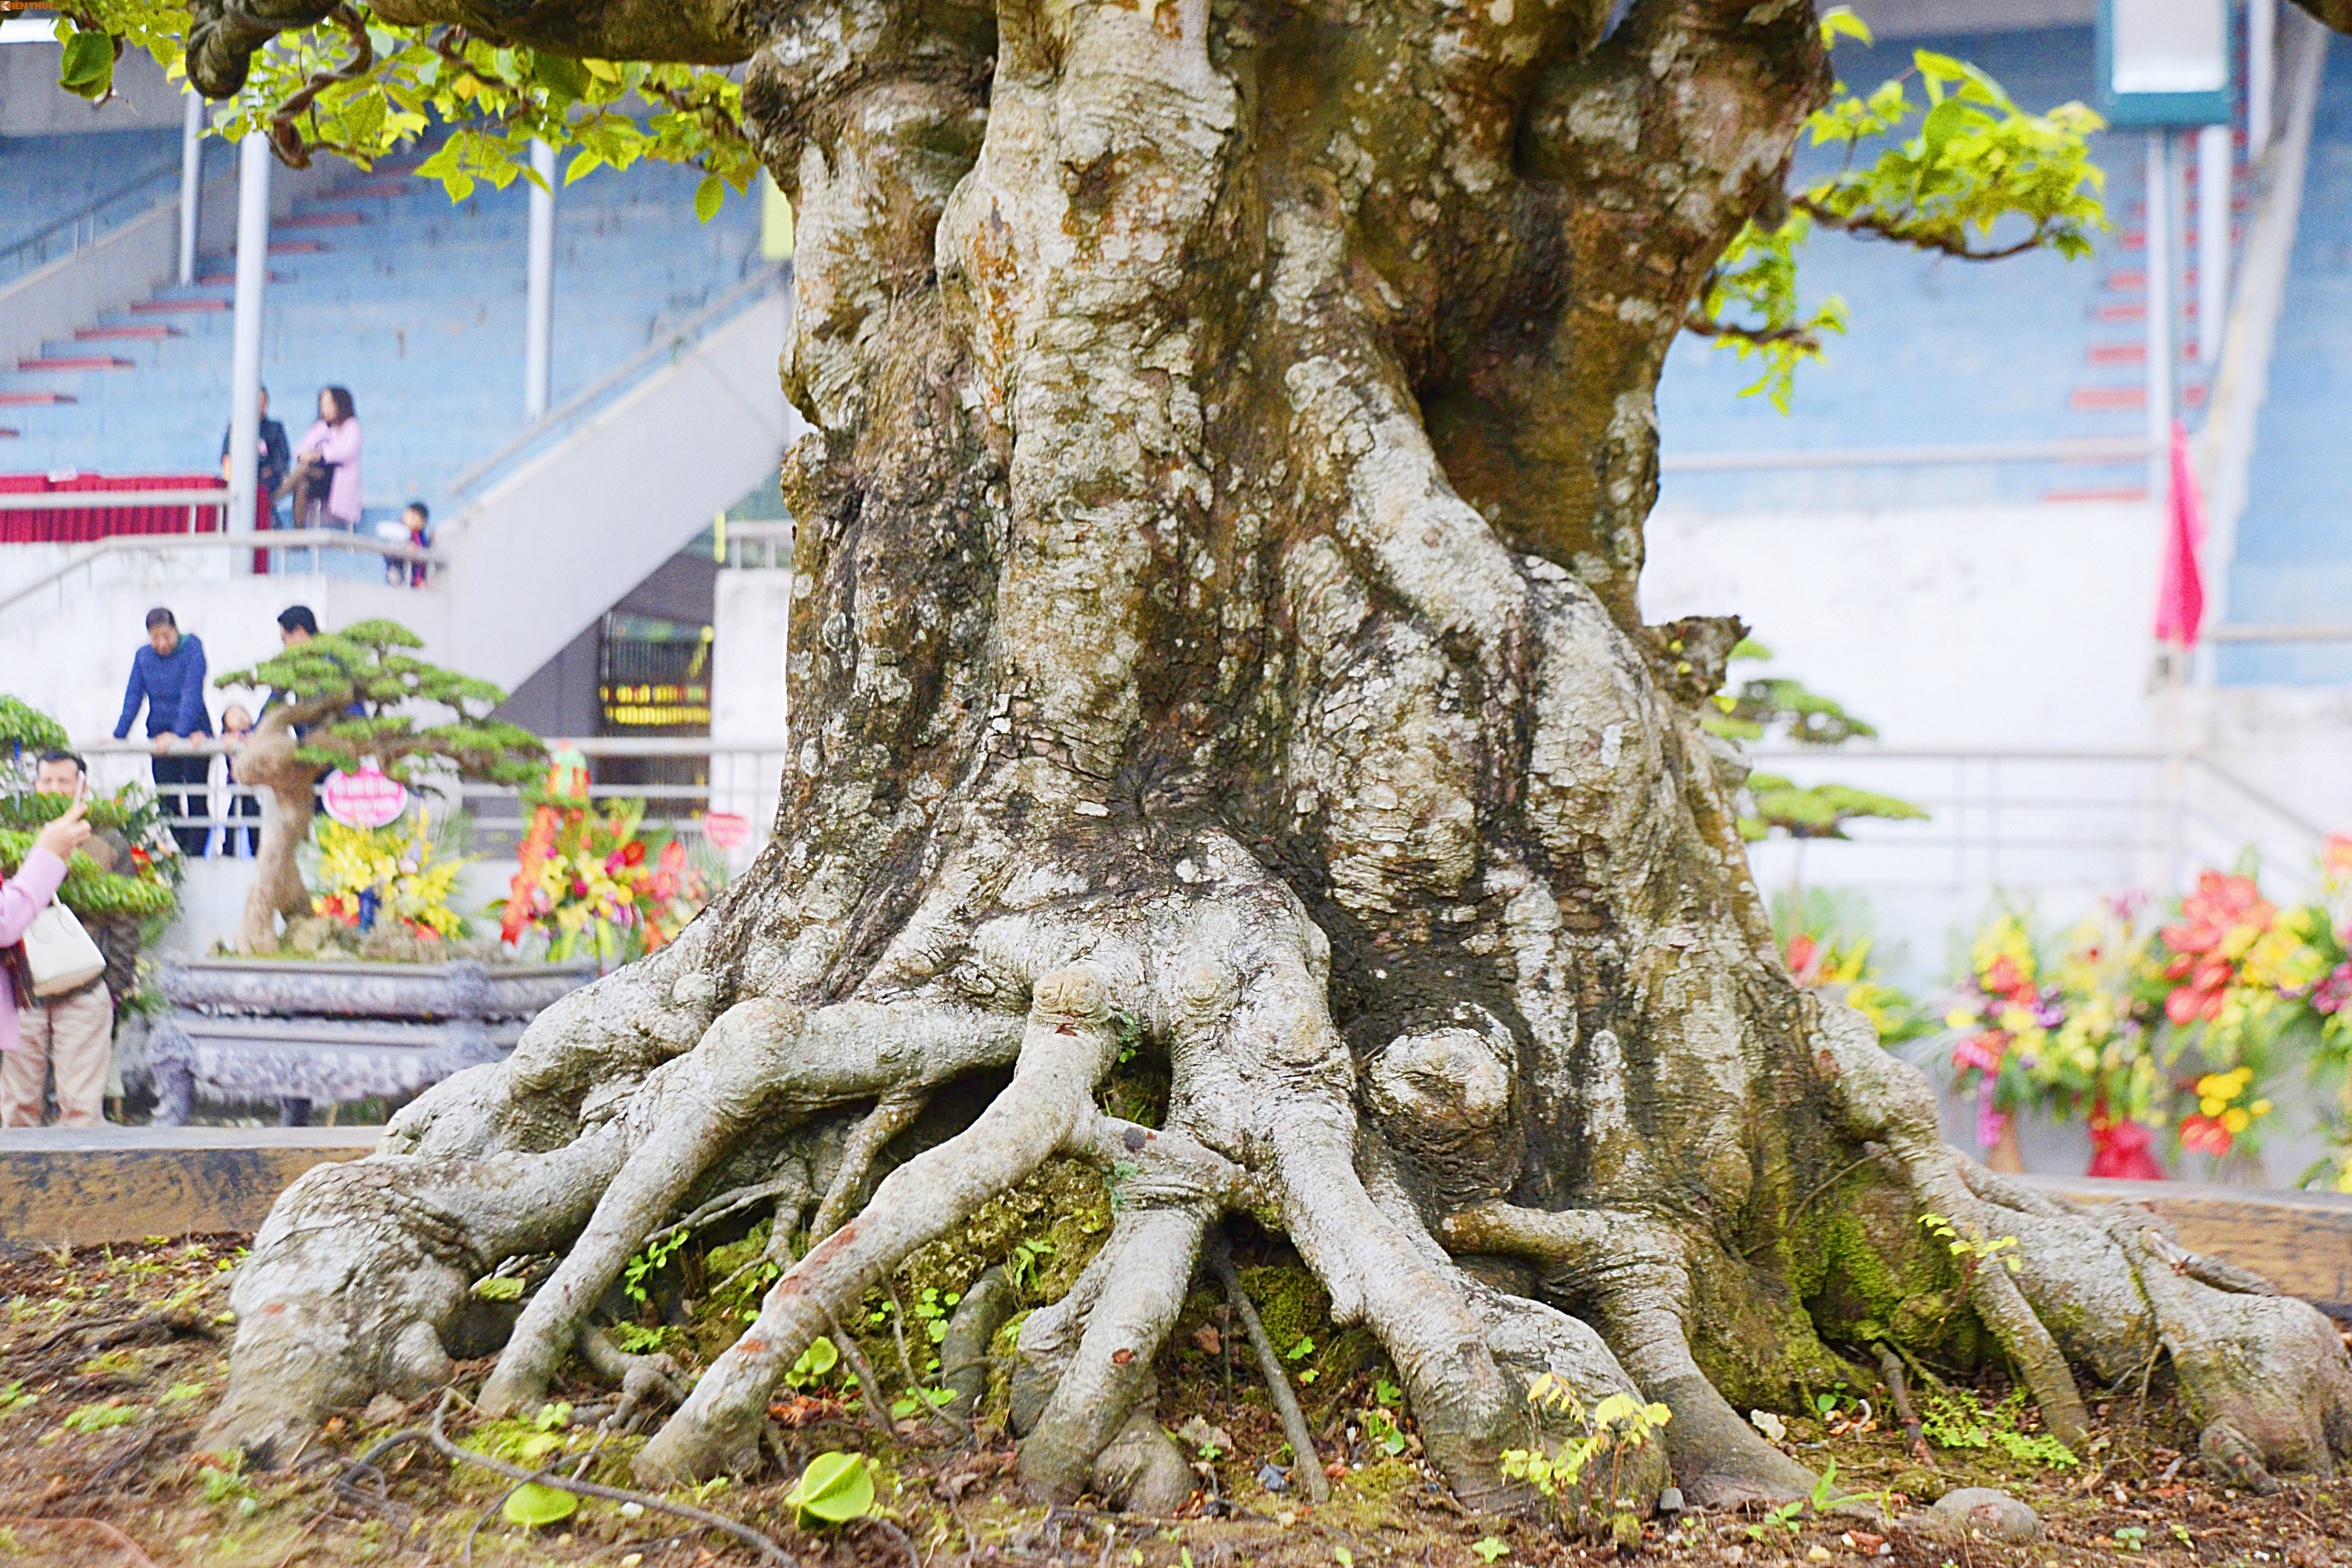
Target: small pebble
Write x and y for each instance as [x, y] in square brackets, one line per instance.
[1995, 1515]
[1273, 1478]
[1671, 1500]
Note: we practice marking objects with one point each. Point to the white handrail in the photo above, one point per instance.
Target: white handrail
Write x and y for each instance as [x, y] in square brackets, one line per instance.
[95, 501]
[287, 539]
[2120, 449]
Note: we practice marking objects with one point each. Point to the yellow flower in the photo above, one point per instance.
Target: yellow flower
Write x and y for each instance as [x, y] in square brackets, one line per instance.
[1960, 1018]
[2260, 1108]
[2235, 1120]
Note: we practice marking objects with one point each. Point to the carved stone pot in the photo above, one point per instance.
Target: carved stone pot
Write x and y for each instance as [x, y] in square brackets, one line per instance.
[295, 1031]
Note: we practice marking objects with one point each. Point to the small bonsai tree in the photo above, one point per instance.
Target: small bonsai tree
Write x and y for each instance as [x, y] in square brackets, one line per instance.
[1770, 704]
[354, 699]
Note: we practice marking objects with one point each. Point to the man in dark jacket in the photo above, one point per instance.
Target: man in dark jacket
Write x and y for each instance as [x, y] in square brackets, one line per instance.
[168, 676]
[272, 458]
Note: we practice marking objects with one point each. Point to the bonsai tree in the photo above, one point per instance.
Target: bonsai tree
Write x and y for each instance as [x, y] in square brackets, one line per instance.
[349, 699]
[1217, 645]
[1768, 705]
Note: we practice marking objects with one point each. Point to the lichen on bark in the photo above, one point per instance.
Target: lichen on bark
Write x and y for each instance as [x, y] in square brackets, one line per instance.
[1216, 635]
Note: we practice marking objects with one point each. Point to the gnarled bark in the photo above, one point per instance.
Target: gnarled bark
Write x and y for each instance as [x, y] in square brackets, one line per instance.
[1216, 626]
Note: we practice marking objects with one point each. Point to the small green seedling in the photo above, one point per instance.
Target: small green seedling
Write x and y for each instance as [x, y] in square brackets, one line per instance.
[532, 1504]
[832, 1490]
[819, 1359]
[1489, 1548]
[2132, 1537]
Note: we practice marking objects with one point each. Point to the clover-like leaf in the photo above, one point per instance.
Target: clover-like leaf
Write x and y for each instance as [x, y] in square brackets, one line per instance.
[835, 1488]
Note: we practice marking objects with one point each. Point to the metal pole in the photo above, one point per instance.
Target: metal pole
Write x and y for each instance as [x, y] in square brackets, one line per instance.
[540, 324]
[191, 182]
[2261, 72]
[2159, 314]
[245, 376]
[2212, 239]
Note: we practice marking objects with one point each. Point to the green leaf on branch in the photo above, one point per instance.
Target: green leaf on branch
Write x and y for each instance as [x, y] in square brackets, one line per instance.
[86, 69]
[1980, 178]
[498, 99]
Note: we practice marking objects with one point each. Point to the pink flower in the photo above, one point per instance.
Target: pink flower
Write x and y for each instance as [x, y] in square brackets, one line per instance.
[1991, 1123]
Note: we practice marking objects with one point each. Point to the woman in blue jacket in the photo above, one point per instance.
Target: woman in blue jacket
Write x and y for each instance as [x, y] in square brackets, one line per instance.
[168, 676]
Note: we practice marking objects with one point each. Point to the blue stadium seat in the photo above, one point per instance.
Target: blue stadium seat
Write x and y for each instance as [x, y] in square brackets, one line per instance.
[416, 304]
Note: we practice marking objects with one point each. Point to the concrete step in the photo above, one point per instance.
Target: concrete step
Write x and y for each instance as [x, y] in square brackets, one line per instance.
[85, 1186]
[76, 362]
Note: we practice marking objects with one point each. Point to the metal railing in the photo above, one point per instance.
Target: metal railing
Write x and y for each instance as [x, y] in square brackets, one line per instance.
[757, 546]
[740, 778]
[558, 421]
[2108, 819]
[79, 229]
[277, 539]
[2087, 451]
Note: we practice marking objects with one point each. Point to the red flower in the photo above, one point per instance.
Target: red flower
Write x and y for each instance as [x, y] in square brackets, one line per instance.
[2219, 905]
[633, 853]
[2206, 1135]
[2119, 1149]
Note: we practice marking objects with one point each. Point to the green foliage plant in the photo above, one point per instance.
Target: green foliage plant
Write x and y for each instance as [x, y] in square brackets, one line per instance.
[362, 85]
[1618, 1425]
[1955, 1419]
[1941, 172]
[1778, 707]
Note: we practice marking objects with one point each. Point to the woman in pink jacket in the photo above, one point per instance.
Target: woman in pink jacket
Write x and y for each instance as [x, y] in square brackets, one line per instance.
[326, 481]
[26, 894]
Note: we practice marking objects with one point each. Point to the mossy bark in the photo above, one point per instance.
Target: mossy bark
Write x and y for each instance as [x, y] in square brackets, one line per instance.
[1216, 638]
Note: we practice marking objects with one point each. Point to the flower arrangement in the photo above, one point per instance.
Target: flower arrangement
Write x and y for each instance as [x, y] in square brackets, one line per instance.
[589, 881]
[2196, 1024]
[401, 874]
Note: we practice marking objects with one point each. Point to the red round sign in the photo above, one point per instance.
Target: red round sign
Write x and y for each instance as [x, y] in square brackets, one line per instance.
[364, 799]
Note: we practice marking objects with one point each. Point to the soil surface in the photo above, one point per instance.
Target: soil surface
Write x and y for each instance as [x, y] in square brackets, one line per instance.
[111, 1358]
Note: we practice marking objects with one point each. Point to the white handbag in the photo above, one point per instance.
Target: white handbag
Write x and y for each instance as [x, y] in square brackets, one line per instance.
[60, 953]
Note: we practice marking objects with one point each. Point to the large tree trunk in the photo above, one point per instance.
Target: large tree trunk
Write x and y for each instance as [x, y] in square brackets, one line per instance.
[1217, 627]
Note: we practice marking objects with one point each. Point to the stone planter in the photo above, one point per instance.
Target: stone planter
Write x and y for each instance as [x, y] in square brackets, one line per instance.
[296, 1031]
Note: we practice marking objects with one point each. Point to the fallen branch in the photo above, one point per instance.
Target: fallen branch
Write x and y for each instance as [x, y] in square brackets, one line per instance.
[17, 1521]
[1891, 1366]
[449, 1450]
[1277, 1381]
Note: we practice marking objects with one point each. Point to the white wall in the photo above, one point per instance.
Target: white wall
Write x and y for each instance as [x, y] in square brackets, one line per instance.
[1963, 626]
[749, 612]
[33, 104]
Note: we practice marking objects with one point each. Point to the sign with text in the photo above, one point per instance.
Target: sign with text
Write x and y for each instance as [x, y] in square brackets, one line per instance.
[367, 798]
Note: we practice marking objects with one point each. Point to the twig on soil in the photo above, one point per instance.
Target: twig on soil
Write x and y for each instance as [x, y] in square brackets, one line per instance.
[915, 1384]
[906, 1542]
[1891, 1364]
[66, 1334]
[868, 1383]
[442, 1444]
[99, 1525]
[1278, 1381]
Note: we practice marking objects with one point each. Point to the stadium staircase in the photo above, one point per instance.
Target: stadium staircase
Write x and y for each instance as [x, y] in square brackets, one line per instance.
[666, 404]
[2293, 562]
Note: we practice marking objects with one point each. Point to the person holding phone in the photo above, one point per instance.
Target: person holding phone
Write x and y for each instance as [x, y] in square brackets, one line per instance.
[74, 1032]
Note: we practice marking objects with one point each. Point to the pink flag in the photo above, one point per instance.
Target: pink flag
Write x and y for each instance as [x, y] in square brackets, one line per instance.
[2181, 591]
